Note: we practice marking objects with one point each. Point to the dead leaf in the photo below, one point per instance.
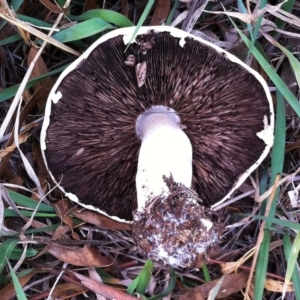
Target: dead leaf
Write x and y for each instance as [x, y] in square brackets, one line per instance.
[232, 283]
[130, 60]
[22, 138]
[41, 169]
[125, 8]
[140, 72]
[40, 97]
[6, 31]
[103, 289]
[62, 209]
[83, 257]
[53, 7]
[90, 4]
[40, 67]
[161, 12]
[100, 220]
[17, 181]
[59, 233]
[41, 94]
[67, 291]
[95, 276]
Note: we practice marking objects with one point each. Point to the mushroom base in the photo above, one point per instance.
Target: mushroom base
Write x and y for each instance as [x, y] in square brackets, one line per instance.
[175, 228]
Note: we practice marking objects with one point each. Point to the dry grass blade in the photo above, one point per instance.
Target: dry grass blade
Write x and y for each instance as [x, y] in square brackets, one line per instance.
[21, 89]
[37, 33]
[283, 15]
[194, 13]
[248, 19]
[294, 62]
[288, 178]
[22, 138]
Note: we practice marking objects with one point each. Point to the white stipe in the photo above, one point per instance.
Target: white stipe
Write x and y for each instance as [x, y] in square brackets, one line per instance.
[165, 150]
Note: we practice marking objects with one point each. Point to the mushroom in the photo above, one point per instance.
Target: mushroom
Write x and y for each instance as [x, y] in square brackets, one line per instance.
[170, 116]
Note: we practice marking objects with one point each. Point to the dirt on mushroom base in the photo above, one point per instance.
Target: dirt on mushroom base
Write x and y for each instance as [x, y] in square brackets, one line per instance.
[176, 229]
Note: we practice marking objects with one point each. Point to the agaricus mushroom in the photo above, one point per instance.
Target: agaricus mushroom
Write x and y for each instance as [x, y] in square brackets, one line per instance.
[127, 130]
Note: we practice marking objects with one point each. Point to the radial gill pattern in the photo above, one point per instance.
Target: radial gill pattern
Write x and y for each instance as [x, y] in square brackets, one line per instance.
[92, 147]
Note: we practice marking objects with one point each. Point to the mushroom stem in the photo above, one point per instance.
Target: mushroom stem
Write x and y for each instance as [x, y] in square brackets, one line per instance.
[165, 150]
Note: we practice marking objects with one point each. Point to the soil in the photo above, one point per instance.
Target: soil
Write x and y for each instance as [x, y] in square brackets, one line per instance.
[175, 228]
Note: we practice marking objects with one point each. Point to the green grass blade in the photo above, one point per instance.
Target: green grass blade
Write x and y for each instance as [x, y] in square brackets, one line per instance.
[261, 266]
[287, 246]
[104, 14]
[34, 21]
[82, 30]
[169, 289]
[256, 28]
[17, 253]
[278, 151]
[30, 203]
[37, 230]
[263, 184]
[280, 85]
[61, 3]
[6, 248]
[262, 4]
[141, 20]
[206, 273]
[291, 262]
[288, 7]
[270, 220]
[243, 9]
[145, 277]
[172, 12]
[277, 160]
[10, 39]
[141, 282]
[16, 4]
[11, 91]
[294, 62]
[42, 229]
[27, 213]
[19, 291]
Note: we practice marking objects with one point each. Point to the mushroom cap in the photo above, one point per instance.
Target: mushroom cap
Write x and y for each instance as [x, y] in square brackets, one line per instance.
[89, 142]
